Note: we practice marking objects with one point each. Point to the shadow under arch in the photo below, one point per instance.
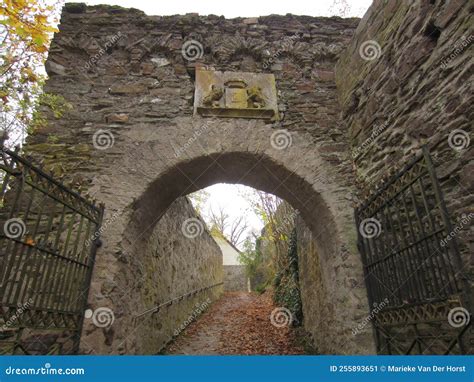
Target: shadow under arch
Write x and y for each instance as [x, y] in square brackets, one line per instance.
[258, 171]
[336, 270]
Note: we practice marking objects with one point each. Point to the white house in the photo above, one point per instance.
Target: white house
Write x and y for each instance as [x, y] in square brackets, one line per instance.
[235, 277]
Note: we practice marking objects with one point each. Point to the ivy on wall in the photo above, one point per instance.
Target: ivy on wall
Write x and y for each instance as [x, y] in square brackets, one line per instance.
[286, 283]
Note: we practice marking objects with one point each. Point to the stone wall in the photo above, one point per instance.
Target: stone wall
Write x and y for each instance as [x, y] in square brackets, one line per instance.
[315, 289]
[316, 286]
[318, 304]
[415, 91]
[132, 142]
[235, 278]
[168, 265]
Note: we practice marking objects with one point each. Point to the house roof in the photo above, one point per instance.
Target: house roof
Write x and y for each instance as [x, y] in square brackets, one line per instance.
[218, 234]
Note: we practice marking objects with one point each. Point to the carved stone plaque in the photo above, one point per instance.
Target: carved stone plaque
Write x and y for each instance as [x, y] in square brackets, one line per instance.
[235, 95]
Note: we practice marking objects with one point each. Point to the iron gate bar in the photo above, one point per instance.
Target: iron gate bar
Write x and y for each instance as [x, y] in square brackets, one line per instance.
[413, 238]
[49, 265]
[86, 287]
[467, 297]
[62, 189]
[405, 266]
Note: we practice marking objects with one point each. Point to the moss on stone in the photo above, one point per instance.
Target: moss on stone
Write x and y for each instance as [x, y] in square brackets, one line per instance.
[81, 148]
[75, 7]
[287, 292]
[47, 147]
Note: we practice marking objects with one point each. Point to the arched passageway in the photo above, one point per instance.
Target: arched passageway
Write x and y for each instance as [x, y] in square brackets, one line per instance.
[140, 98]
[287, 173]
[141, 93]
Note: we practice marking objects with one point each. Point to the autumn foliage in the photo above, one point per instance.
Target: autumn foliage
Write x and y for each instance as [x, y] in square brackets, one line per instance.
[26, 29]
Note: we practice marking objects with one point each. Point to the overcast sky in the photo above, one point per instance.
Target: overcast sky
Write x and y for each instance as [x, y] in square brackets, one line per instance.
[224, 194]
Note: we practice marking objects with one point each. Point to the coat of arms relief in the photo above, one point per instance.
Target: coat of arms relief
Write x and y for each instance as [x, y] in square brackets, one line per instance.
[235, 95]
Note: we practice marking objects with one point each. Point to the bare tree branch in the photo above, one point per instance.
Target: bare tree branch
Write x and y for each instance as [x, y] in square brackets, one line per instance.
[231, 229]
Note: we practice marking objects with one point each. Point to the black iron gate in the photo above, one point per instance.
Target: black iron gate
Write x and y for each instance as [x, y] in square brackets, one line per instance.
[48, 240]
[417, 291]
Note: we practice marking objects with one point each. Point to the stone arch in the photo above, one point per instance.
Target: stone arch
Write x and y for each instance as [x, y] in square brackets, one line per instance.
[259, 171]
[152, 169]
[235, 47]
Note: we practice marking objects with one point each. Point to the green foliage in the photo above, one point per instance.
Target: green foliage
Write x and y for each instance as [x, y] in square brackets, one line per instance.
[250, 257]
[261, 288]
[199, 199]
[255, 265]
[56, 104]
[53, 138]
[286, 283]
[274, 258]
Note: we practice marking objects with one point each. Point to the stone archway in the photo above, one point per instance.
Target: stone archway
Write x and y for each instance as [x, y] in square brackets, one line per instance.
[148, 176]
[137, 95]
[125, 74]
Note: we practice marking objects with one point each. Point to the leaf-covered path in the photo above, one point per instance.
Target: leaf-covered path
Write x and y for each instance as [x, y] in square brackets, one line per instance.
[238, 323]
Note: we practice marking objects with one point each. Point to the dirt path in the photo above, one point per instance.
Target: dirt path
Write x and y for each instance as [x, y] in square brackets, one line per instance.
[239, 323]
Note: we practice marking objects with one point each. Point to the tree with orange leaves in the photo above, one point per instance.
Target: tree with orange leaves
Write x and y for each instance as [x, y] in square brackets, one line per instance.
[26, 29]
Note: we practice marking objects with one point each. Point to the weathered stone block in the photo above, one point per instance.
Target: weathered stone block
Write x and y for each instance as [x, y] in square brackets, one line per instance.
[126, 89]
[54, 68]
[251, 21]
[119, 118]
